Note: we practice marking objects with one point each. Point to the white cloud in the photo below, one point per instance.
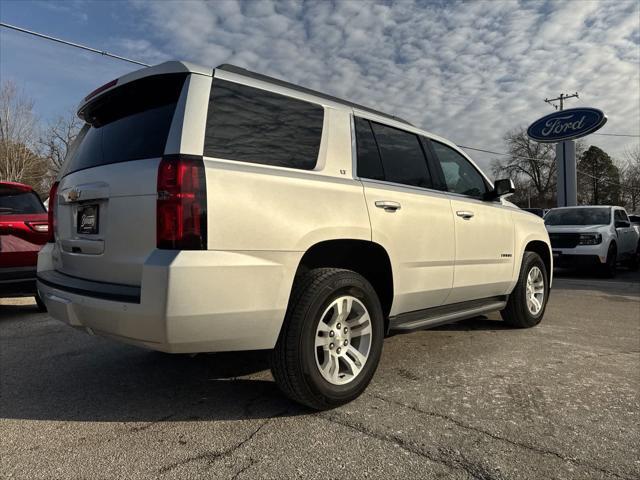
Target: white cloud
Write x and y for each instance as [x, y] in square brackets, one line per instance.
[467, 71]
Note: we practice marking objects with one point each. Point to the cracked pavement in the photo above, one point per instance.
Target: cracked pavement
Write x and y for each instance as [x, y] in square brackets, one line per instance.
[469, 400]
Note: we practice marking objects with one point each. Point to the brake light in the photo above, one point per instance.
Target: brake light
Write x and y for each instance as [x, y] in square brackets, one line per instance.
[101, 89]
[181, 213]
[51, 219]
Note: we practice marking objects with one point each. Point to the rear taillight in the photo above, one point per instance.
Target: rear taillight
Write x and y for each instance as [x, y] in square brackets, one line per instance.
[181, 214]
[51, 218]
[39, 227]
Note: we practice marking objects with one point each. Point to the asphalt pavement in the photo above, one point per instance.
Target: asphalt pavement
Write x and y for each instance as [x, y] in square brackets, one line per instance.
[469, 400]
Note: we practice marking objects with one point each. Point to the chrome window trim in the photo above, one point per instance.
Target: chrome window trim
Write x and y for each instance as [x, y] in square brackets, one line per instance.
[402, 185]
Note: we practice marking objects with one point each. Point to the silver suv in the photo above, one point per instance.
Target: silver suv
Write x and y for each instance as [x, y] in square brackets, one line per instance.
[218, 209]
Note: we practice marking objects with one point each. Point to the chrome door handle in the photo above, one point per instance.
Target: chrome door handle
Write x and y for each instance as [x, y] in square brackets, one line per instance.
[388, 206]
[465, 214]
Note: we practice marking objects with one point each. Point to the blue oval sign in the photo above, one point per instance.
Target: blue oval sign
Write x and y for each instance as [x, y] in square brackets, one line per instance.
[566, 125]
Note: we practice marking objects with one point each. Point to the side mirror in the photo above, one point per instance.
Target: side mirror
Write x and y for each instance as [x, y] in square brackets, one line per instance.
[501, 188]
[622, 224]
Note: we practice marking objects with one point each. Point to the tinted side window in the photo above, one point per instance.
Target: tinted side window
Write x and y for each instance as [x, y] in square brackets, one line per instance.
[252, 125]
[459, 174]
[403, 160]
[369, 163]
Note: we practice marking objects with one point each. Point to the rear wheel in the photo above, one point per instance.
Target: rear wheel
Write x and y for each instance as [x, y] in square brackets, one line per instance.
[331, 340]
[528, 301]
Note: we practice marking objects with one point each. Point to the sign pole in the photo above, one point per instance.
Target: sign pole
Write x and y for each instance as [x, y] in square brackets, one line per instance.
[567, 174]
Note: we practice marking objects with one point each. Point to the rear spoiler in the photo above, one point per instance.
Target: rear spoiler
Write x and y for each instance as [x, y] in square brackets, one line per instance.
[161, 69]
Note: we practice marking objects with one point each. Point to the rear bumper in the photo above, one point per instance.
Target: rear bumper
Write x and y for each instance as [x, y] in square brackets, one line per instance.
[17, 281]
[188, 301]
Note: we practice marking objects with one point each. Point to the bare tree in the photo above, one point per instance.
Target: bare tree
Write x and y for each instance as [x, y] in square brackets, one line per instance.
[630, 179]
[57, 140]
[19, 160]
[532, 165]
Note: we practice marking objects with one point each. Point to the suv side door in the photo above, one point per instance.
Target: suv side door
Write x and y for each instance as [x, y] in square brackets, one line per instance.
[409, 218]
[484, 230]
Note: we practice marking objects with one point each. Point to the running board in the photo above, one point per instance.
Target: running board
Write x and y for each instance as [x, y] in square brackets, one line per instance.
[433, 317]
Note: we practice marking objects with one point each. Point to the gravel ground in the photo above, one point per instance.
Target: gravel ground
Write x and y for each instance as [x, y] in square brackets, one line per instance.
[469, 400]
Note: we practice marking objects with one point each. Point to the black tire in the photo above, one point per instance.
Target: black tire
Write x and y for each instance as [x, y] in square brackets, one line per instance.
[41, 306]
[293, 361]
[610, 267]
[516, 313]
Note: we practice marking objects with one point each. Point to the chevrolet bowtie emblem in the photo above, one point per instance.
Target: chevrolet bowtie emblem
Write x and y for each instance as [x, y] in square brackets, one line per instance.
[73, 195]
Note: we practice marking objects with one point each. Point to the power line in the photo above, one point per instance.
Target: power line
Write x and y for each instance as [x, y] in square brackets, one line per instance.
[497, 153]
[71, 44]
[615, 134]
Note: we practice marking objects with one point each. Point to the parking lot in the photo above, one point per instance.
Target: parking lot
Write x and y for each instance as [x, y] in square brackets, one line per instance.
[470, 400]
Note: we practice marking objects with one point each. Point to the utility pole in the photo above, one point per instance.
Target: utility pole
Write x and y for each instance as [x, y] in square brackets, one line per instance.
[566, 160]
[562, 98]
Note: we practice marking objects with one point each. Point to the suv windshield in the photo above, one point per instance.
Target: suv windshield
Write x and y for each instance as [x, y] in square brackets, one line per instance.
[16, 203]
[578, 216]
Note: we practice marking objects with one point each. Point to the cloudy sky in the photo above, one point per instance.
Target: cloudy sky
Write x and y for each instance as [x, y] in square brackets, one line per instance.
[468, 71]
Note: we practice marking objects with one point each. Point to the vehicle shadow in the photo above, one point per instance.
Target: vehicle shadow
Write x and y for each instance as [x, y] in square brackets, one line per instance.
[126, 384]
[477, 323]
[15, 310]
[625, 284]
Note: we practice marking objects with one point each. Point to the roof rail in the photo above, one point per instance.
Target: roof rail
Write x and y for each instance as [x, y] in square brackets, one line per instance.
[265, 78]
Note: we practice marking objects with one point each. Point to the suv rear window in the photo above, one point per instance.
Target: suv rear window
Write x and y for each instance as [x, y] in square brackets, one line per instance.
[129, 123]
[14, 202]
[252, 125]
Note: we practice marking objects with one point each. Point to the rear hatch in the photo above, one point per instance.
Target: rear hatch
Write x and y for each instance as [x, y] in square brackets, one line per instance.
[105, 212]
[23, 226]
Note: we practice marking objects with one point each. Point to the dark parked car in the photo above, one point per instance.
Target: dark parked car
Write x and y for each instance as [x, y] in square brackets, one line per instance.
[23, 231]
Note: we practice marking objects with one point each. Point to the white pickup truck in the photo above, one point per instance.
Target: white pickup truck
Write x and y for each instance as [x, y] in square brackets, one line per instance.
[592, 236]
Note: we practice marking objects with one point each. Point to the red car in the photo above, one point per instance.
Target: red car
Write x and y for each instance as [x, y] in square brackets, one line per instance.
[23, 231]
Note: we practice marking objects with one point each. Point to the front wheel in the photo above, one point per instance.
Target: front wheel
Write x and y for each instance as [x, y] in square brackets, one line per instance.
[331, 339]
[610, 268]
[528, 301]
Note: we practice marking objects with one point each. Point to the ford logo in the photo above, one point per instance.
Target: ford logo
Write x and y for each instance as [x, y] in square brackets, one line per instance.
[566, 125]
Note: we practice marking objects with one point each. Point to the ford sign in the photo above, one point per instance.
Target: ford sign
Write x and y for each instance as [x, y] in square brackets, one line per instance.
[566, 125]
